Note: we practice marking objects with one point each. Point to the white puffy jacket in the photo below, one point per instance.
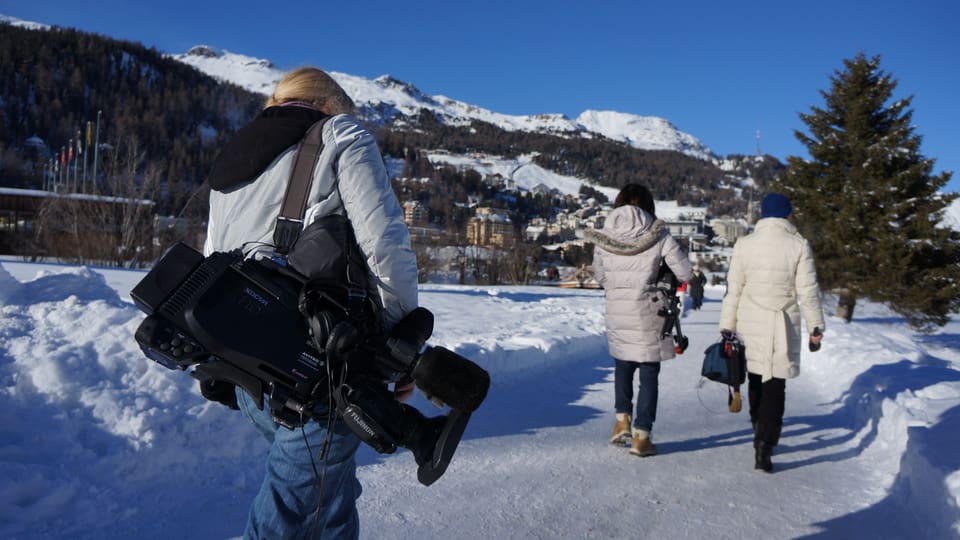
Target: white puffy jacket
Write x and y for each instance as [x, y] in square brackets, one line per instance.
[771, 270]
[626, 260]
[349, 178]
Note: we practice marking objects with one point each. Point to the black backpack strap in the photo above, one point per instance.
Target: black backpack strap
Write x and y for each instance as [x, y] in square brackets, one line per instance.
[290, 220]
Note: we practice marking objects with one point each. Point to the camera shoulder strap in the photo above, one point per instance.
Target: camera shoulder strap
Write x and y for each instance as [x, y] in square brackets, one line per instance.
[290, 220]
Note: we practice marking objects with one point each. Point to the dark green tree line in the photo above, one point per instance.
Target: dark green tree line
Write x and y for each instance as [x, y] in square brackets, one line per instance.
[670, 175]
[52, 82]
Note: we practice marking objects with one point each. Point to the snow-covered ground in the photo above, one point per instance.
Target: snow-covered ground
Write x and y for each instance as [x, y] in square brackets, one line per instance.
[96, 441]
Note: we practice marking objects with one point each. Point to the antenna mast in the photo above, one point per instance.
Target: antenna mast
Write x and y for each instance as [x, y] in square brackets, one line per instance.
[750, 219]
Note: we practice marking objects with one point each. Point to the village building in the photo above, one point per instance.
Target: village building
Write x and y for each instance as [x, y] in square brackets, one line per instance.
[488, 227]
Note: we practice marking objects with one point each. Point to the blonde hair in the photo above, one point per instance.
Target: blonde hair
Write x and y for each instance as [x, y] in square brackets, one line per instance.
[314, 87]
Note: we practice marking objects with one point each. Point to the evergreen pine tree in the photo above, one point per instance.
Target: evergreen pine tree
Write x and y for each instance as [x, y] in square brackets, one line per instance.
[868, 203]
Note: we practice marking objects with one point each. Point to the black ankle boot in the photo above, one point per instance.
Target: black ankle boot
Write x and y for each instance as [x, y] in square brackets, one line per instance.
[762, 457]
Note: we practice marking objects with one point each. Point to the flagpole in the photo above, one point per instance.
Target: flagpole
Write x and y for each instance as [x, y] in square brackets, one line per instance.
[96, 148]
[76, 164]
[89, 130]
[76, 158]
[71, 178]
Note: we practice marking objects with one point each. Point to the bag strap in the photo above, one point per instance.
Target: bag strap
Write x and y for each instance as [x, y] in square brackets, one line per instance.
[294, 205]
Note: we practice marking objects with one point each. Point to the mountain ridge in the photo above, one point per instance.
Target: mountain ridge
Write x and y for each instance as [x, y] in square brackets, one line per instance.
[402, 98]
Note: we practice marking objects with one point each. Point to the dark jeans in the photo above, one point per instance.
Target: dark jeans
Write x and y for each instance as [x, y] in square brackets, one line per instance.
[767, 401]
[697, 300]
[646, 392]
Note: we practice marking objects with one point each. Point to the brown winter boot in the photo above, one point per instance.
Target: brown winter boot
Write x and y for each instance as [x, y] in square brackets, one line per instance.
[621, 430]
[641, 445]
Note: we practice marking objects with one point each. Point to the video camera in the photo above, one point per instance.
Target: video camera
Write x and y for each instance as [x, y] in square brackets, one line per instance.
[263, 327]
[668, 283]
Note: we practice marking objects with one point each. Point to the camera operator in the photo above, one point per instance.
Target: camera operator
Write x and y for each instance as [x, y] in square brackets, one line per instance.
[298, 499]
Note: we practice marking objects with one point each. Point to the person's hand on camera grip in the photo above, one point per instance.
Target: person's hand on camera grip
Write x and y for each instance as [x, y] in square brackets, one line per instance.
[403, 389]
[220, 392]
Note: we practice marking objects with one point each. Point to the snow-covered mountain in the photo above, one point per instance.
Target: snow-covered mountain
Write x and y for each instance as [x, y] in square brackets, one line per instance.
[646, 132]
[13, 21]
[393, 99]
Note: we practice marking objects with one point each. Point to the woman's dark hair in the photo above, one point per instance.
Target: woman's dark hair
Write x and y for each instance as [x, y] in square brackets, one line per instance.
[636, 195]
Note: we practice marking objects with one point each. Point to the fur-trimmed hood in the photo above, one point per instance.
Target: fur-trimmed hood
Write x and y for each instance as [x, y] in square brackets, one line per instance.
[628, 231]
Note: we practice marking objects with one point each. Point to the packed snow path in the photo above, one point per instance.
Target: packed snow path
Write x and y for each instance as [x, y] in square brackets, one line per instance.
[537, 463]
[98, 442]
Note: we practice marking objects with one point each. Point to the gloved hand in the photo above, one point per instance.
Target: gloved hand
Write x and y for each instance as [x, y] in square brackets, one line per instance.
[728, 335]
[219, 391]
[815, 338]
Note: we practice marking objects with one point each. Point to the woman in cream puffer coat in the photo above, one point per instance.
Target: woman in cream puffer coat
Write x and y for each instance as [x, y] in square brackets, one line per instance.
[627, 258]
[770, 272]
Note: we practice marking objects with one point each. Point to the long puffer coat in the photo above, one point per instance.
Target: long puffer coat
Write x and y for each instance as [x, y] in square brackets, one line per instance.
[250, 177]
[626, 260]
[770, 271]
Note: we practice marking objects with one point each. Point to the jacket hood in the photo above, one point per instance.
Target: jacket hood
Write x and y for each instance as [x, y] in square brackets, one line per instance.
[256, 145]
[628, 230]
[775, 223]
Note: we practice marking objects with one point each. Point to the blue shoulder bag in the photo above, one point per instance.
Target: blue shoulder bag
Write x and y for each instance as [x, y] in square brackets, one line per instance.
[725, 362]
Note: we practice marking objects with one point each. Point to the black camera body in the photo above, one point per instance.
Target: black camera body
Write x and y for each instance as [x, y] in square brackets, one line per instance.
[270, 331]
[237, 321]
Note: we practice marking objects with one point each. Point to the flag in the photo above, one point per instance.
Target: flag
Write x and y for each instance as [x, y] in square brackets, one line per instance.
[79, 146]
[63, 156]
[89, 133]
[70, 150]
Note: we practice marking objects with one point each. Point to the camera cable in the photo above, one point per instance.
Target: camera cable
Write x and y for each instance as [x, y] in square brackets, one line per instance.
[328, 433]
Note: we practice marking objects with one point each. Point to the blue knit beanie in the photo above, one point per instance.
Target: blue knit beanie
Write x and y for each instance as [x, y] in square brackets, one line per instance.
[775, 205]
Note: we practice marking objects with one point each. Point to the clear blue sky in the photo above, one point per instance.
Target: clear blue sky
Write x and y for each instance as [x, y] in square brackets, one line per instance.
[718, 70]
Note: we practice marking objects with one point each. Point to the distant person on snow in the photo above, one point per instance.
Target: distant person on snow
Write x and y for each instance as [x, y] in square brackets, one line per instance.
[626, 261]
[771, 269]
[695, 287]
[304, 495]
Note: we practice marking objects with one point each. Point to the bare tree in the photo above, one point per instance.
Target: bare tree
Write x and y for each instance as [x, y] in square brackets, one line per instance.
[425, 261]
[521, 262]
[111, 224]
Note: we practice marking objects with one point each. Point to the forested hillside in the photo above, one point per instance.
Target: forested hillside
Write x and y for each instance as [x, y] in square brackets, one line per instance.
[53, 82]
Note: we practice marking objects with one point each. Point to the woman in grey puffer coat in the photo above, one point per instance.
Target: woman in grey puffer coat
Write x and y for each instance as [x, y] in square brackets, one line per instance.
[627, 258]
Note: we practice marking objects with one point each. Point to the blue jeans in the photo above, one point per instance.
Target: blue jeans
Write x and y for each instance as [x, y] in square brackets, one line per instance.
[646, 392]
[286, 505]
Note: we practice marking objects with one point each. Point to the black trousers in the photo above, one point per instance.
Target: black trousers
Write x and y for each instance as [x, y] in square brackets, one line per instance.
[767, 401]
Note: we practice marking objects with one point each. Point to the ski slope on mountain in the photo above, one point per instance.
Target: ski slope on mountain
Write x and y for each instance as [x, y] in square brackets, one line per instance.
[96, 441]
